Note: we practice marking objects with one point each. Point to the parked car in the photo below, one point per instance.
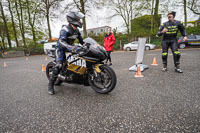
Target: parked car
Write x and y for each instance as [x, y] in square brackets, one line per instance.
[134, 45]
[193, 40]
[50, 47]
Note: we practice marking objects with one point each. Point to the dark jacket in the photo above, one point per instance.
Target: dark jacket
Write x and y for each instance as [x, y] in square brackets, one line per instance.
[67, 37]
[172, 30]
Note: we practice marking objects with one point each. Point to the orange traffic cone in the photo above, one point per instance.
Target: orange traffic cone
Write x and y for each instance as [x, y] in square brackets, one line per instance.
[138, 73]
[4, 64]
[43, 68]
[27, 58]
[154, 62]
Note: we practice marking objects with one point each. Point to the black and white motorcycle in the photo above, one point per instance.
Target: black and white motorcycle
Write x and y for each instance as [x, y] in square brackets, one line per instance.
[87, 69]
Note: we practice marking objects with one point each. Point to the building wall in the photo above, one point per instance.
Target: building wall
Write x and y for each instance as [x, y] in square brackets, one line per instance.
[96, 31]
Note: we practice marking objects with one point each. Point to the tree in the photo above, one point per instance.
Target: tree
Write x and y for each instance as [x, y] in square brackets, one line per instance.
[2, 34]
[84, 6]
[185, 12]
[156, 7]
[152, 9]
[80, 4]
[194, 6]
[155, 16]
[13, 22]
[5, 24]
[141, 26]
[32, 11]
[128, 10]
[49, 5]
[124, 9]
[20, 18]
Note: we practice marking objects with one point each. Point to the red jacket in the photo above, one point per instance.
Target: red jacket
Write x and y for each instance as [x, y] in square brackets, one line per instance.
[109, 42]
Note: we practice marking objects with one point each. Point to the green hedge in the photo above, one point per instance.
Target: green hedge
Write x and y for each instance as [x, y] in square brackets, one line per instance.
[31, 49]
[156, 41]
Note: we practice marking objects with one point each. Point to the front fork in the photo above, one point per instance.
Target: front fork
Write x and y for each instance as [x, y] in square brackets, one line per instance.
[96, 72]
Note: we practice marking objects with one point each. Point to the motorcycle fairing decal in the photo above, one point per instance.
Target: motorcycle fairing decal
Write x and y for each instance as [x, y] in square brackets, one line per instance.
[77, 69]
[97, 69]
[77, 61]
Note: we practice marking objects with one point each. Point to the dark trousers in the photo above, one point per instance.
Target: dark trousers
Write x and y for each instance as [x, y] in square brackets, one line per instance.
[60, 57]
[173, 44]
[109, 57]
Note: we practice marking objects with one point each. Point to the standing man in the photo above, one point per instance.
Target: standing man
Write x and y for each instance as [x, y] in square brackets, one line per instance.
[109, 41]
[169, 31]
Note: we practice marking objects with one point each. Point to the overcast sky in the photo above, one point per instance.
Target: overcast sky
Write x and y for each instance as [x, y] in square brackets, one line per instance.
[99, 19]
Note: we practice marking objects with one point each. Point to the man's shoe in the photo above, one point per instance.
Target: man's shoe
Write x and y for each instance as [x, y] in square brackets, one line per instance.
[164, 69]
[51, 88]
[110, 64]
[177, 69]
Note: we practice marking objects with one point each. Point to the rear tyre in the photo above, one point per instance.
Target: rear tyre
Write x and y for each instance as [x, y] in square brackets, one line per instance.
[49, 70]
[182, 45]
[105, 82]
[128, 49]
[147, 48]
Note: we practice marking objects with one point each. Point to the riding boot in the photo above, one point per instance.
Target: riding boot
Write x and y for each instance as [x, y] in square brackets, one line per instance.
[164, 59]
[177, 69]
[164, 69]
[177, 56]
[51, 85]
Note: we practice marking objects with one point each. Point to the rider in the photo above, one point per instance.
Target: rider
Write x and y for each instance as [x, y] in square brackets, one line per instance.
[68, 35]
[169, 31]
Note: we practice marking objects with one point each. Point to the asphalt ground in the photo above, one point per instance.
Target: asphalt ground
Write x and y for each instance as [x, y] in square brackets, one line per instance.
[158, 102]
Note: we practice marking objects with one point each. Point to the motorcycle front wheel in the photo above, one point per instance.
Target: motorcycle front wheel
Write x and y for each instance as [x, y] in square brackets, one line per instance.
[105, 81]
[49, 71]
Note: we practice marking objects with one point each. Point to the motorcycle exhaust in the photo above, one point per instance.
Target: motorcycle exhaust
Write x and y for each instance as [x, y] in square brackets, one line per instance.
[61, 77]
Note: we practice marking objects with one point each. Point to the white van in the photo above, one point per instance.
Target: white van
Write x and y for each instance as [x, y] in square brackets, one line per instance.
[50, 47]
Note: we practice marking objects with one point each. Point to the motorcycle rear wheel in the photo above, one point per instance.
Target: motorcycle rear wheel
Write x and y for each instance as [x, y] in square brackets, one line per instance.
[105, 82]
[49, 69]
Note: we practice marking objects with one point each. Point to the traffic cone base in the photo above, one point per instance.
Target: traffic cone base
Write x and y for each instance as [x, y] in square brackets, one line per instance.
[138, 73]
[43, 68]
[154, 62]
[141, 76]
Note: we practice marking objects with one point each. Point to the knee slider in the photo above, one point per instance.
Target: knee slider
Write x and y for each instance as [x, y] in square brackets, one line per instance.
[57, 69]
[164, 54]
[58, 65]
[177, 54]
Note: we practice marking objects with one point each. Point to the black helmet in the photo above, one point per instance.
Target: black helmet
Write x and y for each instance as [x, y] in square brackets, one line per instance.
[74, 17]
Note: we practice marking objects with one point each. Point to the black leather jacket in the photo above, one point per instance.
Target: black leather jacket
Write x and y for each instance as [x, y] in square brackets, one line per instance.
[172, 30]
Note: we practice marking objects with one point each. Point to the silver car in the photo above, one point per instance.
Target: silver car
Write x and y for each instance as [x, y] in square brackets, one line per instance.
[134, 45]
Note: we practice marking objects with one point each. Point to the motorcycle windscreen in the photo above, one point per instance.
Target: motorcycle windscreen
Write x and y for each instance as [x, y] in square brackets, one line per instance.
[96, 50]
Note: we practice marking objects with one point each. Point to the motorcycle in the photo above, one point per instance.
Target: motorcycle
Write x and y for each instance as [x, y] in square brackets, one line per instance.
[86, 68]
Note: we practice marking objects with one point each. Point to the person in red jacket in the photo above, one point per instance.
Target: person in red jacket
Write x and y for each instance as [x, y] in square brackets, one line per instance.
[109, 41]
